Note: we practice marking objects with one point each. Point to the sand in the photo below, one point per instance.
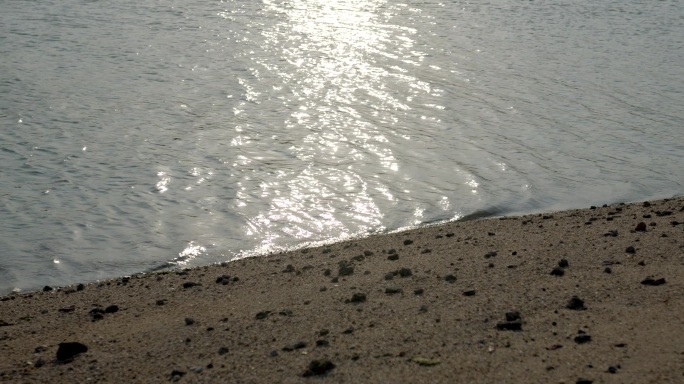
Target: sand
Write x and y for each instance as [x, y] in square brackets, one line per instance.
[569, 297]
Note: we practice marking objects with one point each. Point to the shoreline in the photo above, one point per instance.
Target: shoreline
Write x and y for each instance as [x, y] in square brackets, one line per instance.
[567, 296]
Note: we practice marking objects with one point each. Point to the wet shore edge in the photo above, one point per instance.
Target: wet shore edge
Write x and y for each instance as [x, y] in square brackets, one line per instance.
[578, 296]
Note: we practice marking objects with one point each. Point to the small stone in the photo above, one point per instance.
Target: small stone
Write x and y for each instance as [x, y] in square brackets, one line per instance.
[509, 326]
[299, 345]
[608, 270]
[367, 253]
[405, 272]
[563, 263]
[393, 257]
[392, 290]
[223, 280]
[345, 269]
[322, 343]
[653, 282]
[189, 321]
[223, 350]
[289, 268]
[469, 293]
[47, 288]
[641, 227]
[319, 367]
[582, 339]
[112, 308]
[513, 316]
[262, 315]
[67, 351]
[557, 271]
[418, 291]
[389, 276]
[80, 287]
[450, 279]
[630, 249]
[190, 284]
[358, 298]
[161, 302]
[612, 370]
[408, 242]
[576, 304]
[490, 254]
[611, 233]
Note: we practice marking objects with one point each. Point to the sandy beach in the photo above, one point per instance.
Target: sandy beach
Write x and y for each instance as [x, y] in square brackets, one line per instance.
[581, 296]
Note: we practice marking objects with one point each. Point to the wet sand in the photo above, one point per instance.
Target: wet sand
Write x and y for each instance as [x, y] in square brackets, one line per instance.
[578, 296]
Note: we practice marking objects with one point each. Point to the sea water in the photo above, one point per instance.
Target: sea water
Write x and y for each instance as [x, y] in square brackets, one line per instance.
[142, 135]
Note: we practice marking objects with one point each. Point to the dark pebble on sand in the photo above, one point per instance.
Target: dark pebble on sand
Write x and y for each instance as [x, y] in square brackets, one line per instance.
[581, 339]
[469, 293]
[190, 284]
[389, 276]
[510, 326]
[557, 271]
[289, 268]
[47, 288]
[358, 298]
[450, 279]
[96, 313]
[393, 257]
[345, 269]
[223, 350]
[653, 282]
[112, 308]
[161, 302]
[80, 287]
[576, 304]
[584, 381]
[367, 253]
[607, 270]
[224, 280]
[189, 321]
[392, 290]
[322, 343]
[405, 272]
[490, 254]
[408, 242]
[611, 233]
[612, 370]
[630, 249]
[418, 291]
[318, 367]
[563, 263]
[641, 227]
[67, 351]
[262, 315]
[513, 316]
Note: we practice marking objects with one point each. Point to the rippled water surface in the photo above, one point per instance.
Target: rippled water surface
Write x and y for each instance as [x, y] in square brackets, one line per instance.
[137, 135]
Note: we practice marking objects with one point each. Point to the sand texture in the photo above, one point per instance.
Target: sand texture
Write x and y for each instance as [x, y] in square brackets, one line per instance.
[579, 296]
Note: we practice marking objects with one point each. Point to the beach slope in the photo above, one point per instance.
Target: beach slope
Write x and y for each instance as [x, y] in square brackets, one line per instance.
[591, 295]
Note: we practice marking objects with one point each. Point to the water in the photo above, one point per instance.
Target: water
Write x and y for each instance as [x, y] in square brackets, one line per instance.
[139, 135]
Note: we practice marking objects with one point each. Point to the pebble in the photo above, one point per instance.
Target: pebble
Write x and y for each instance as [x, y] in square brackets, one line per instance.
[652, 282]
[630, 249]
[358, 298]
[67, 351]
[582, 339]
[576, 304]
[450, 279]
[318, 367]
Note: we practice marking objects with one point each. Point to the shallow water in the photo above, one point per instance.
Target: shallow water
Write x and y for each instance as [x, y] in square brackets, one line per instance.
[143, 135]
